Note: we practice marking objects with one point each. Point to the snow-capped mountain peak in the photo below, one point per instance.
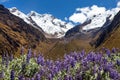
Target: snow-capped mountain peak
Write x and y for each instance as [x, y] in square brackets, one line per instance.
[50, 24]
[40, 16]
[98, 16]
[96, 21]
[52, 27]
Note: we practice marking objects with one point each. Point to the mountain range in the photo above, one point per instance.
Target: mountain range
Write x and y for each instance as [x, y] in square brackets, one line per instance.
[56, 28]
[51, 26]
[53, 37]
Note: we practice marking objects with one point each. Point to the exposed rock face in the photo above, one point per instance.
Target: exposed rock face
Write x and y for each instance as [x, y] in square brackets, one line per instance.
[76, 29]
[109, 34]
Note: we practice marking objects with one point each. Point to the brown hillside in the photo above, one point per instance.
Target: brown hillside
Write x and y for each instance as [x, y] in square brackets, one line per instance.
[14, 33]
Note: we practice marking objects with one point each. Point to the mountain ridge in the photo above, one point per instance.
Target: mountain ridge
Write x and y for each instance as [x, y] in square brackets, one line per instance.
[51, 26]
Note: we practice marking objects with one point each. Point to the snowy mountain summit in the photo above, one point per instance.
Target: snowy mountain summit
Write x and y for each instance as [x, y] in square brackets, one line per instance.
[51, 26]
[98, 16]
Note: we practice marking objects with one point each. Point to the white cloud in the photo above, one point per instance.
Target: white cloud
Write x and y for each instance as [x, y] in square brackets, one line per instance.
[118, 4]
[4, 0]
[78, 17]
[66, 18]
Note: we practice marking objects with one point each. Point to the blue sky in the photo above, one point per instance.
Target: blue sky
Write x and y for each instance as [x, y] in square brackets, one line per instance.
[58, 8]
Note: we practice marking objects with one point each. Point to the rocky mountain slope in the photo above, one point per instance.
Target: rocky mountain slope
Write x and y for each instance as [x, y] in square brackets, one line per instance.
[14, 33]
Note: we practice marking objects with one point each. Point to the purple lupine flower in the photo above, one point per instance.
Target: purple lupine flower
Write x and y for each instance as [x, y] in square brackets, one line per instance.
[52, 73]
[108, 67]
[83, 52]
[75, 56]
[57, 63]
[42, 71]
[67, 67]
[12, 75]
[73, 62]
[104, 61]
[91, 56]
[68, 77]
[32, 79]
[20, 78]
[24, 79]
[29, 54]
[98, 57]
[114, 74]
[84, 62]
[114, 50]
[78, 77]
[108, 52]
[55, 70]
[40, 60]
[110, 64]
[38, 77]
[118, 62]
[100, 68]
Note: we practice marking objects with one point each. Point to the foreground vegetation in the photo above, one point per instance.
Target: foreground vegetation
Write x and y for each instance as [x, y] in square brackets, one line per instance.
[103, 65]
